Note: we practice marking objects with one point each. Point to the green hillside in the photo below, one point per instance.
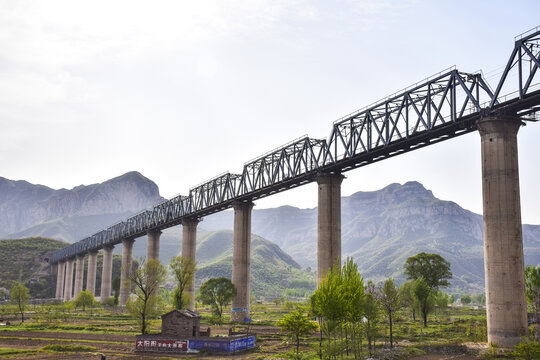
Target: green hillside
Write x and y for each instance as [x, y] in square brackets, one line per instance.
[24, 260]
[272, 271]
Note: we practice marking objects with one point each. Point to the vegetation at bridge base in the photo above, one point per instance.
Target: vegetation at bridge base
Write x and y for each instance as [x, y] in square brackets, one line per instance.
[354, 319]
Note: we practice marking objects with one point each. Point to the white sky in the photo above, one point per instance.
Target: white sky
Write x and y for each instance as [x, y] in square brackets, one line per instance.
[185, 90]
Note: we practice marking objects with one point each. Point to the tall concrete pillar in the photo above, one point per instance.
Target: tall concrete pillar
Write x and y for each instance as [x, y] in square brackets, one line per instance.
[60, 280]
[79, 273]
[125, 282]
[69, 279]
[106, 273]
[189, 247]
[241, 260]
[91, 273]
[328, 223]
[503, 243]
[153, 245]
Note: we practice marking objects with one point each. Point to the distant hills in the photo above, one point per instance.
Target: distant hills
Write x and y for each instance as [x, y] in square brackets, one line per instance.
[272, 270]
[380, 229]
[69, 215]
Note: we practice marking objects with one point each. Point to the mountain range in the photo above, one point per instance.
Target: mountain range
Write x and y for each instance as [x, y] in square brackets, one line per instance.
[380, 229]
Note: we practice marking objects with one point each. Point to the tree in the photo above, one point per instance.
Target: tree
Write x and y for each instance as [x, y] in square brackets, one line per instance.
[19, 296]
[371, 314]
[146, 278]
[433, 268]
[116, 290]
[183, 269]
[465, 299]
[532, 289]
[407, 297]
[389, 298]
[430, 272]
[217, 292]
[423, 294]
[85, 299]
[297, 324]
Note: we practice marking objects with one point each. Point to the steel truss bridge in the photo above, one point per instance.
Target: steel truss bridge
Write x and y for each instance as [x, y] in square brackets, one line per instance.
[444, 106]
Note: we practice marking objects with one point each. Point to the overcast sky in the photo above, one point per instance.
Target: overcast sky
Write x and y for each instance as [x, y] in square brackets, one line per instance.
[182, 91]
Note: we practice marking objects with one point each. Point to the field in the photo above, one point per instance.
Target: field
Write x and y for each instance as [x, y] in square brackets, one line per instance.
[63, 332]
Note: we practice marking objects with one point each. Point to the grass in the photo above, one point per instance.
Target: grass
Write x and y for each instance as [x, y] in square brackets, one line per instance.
[67, 348]
[447, 329]
[10, 351]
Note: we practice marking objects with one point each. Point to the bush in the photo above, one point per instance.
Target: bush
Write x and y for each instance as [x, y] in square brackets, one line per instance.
[527, 349]
[111, 302]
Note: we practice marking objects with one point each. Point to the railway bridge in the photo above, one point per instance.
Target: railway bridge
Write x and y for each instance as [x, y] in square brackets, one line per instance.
[446, 105]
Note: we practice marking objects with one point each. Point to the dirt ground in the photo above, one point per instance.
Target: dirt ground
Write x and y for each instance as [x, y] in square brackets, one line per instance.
[122, 347]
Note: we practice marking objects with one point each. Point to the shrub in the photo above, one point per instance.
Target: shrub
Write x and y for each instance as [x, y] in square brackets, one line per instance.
[527, 349]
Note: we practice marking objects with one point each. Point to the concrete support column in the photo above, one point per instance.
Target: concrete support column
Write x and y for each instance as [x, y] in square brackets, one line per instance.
[189, 247]
[503, 243]
[153, 245]
[106, 273]
[241, 260]
[125, 282]
[79, 273]
[91, 274]
[328, 223]
[60, 280]
[69, 279]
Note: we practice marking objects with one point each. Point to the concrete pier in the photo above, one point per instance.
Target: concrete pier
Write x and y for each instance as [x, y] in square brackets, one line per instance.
[503, 244]
[79, 273]
[106, 273]
[328, 223]
[241, 260]
[91, 273]
[125, 282]
[60, 280]
[153, 245]
[189, 247]
[69, 279]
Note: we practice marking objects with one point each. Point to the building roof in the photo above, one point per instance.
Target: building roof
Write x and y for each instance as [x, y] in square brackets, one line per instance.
[185, 313]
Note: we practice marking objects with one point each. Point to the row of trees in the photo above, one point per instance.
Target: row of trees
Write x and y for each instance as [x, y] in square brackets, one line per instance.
[347, 309]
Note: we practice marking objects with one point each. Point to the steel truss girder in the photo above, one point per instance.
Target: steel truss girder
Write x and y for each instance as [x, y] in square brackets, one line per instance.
[526, 57]
[442, 107]
[442, 101]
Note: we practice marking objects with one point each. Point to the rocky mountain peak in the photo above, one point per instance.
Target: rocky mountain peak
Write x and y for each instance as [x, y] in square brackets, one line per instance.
[23, 204]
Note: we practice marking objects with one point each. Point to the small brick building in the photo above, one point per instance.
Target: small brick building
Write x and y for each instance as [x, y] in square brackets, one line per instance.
[180, 324]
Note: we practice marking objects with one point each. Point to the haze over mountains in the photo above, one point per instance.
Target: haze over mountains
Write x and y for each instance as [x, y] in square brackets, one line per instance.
[380, 229]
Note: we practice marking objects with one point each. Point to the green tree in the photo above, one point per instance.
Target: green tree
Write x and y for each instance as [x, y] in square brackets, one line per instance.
[297, 324]
[146, 278]
[85, 299]
[183, 270]
[433, 268]
[407, 297]
[423, 294]
[217, 292]
[465, 299]
[430, 272]
[371, 314]
[116, 290]
[389, 298]
[19, 296]
[532, 288]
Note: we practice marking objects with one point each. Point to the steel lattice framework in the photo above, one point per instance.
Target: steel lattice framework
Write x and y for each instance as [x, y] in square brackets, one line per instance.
[441, 107]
